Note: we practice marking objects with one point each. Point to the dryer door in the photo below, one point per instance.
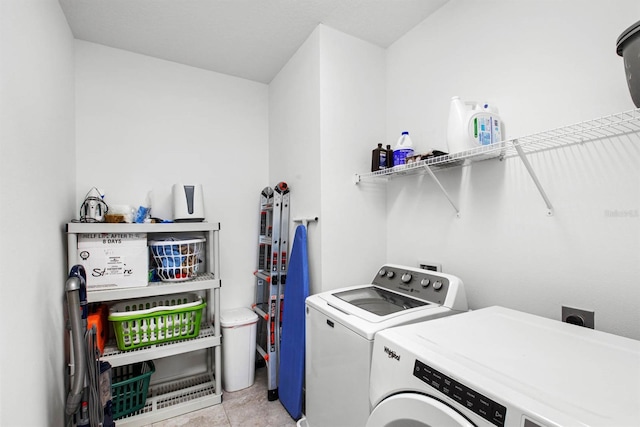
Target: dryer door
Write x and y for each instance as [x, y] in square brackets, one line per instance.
[415, 410]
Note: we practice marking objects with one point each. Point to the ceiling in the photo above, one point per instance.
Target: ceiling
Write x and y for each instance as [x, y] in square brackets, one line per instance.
[252, 39]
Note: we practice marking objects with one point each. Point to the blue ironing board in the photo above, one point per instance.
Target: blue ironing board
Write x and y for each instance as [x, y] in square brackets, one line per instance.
[292, 341]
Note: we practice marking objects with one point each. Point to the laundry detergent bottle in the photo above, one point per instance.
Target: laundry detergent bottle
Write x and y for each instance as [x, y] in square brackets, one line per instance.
[472, 125]
[403, 149]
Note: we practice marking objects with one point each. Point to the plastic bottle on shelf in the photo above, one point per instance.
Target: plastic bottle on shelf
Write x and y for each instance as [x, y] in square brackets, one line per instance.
[378, 159]
[403, 149]
[389, 156]
[472, 125]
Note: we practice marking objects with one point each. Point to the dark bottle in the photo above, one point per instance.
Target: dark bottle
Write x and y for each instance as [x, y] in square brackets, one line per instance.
[389, 157]
[379, 159]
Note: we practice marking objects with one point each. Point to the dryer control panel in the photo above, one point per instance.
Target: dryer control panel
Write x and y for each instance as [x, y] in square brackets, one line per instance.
[465, 396]
[418, 283]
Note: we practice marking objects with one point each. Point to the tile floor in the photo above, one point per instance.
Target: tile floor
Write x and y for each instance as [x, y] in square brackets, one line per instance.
[243, 408]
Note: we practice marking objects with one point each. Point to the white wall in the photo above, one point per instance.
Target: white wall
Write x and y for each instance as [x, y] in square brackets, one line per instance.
[545, 64]
[145, 124]
[37, 173]
[352, 93]
[294, 142]
[326, 114]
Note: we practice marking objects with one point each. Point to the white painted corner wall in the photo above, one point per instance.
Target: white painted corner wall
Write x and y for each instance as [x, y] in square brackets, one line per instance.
[295, 142]
[326, 108]
[353, 123]
[37, 176]
[544, 64]
[144, 124]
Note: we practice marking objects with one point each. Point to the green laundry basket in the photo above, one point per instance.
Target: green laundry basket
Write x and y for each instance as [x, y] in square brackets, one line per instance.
[129, 387]
[150, 321]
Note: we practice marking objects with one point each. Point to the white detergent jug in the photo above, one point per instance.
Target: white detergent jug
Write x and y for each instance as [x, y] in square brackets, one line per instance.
[472, 125]
[403, 149]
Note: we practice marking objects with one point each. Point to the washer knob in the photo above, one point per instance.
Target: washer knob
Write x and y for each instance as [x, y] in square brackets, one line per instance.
[382, 272]
[406, 277]
[437, 285]
[390, 274]
[425, 282]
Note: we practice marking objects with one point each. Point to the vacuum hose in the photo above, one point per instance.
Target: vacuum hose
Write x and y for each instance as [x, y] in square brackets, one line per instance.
[75, 288]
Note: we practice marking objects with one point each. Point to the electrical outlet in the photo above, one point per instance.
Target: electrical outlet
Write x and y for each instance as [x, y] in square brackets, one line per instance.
[431, 266]
[577, 316]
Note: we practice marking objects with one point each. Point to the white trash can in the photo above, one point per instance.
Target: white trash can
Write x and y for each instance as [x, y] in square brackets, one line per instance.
[239, 327]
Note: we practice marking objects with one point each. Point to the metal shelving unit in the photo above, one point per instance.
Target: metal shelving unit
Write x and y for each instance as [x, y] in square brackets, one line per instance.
[181, 395]
[614, 125]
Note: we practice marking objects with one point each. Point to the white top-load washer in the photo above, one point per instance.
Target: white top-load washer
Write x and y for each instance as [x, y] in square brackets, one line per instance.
[340, 329]
[500, 367]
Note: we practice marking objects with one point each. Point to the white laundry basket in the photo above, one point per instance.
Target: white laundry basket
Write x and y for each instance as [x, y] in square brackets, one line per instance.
[239, 327]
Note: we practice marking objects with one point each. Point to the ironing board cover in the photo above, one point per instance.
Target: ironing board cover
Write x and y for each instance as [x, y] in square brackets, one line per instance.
[292, 344]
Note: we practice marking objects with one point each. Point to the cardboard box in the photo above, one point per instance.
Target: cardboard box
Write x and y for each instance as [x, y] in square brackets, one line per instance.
[114, 260]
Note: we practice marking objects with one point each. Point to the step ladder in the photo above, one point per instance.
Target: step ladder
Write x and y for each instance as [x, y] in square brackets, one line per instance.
[271, 276]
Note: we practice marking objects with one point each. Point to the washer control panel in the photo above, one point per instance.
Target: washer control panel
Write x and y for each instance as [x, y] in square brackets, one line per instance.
[465, 396]
[423, 284]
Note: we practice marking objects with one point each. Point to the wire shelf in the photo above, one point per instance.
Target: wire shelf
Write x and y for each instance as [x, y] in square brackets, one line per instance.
[205, 339]
[614, 125]
[174, 398]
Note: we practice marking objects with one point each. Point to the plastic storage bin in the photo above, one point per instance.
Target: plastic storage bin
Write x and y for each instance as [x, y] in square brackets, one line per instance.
[98, 316]
[149, 321]
[176, 260]
[239, 327]
[129, 387]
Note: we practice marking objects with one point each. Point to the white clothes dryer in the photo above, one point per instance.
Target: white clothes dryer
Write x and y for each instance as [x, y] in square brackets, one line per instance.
[340, 330]
[500, 367]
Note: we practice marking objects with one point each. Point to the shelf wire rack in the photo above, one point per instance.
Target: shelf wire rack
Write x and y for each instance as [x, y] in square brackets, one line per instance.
[614, 125]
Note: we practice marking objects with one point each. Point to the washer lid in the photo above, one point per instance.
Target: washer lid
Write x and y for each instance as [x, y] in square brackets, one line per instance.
[379, 301]
[365, 323]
